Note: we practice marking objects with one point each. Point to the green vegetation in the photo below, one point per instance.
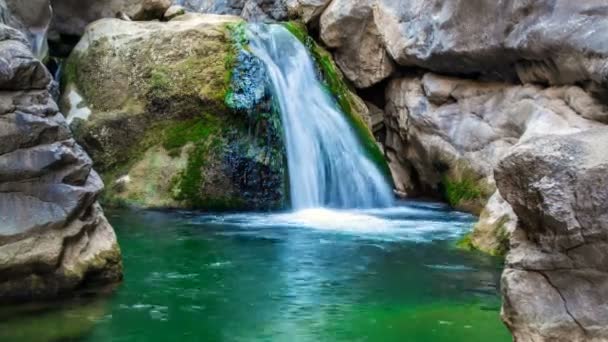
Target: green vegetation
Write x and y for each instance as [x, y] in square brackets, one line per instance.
[237, 33]
[159, 81]
[181, 133]
[337, 86]
[466, 243]
[502, 238]
[458, 191]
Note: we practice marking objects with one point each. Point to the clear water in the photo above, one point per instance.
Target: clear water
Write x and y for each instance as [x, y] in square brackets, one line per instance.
[317, 275]
[327, 166]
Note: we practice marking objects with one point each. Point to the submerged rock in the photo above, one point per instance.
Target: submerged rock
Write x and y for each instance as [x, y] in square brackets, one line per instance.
[53, 235]
[555, 285]
[176, 114]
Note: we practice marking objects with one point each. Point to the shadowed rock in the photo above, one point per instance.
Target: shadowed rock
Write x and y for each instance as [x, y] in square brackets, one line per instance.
[53, 234]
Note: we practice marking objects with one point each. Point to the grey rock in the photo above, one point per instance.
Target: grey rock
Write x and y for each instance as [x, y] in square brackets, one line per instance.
[309, 11]
[349, 29]
[555, 286]
[53, 234]
[558, 42]
[72, 16]
[446, 130]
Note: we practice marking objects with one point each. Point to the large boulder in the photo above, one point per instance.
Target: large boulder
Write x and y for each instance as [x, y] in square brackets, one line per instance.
[53, 234]
[555, 285]
[348, 28]
[72, 16]
[176, 114]
[309, 11]
[450, 133]
[555, 42]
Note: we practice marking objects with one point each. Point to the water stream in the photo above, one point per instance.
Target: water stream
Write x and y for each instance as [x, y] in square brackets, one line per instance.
[327, 165]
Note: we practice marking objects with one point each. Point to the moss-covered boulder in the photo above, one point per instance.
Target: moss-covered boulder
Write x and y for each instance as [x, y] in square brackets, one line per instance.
[176, 114]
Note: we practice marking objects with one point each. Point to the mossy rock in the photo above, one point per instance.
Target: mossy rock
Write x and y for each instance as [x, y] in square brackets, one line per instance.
[160, 130]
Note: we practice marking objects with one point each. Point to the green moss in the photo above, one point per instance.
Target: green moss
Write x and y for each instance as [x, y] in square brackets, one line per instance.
[237, 33]
[458, 191]
[502, 238]
[337, 86]
[195, 130]
[466, 243]
[160, 81]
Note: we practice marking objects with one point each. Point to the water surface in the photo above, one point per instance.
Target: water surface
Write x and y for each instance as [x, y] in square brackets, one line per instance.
[318, 275]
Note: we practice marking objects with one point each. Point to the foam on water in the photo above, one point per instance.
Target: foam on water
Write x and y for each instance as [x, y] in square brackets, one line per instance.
[420, 223]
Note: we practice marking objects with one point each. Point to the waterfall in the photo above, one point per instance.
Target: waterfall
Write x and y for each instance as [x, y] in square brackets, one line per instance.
[327, 164]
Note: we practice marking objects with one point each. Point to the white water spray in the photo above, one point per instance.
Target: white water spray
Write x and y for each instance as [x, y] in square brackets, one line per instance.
[327, 164]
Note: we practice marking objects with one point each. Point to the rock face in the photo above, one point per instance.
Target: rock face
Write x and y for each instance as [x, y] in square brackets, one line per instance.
[450, 133]
[72, 16]
[555, 284]
[555, 42]
[176, 114]
[53, 234]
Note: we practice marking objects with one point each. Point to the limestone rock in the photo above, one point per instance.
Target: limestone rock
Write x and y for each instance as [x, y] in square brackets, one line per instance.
[72, 16]
[53, 234]
[450, 133]
[309, 11]
[558, 42]
[555, 286]
[152, 104]
[348, 27]
[496, 224]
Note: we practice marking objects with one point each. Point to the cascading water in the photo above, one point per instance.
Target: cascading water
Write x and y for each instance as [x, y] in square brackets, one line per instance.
[327, 164]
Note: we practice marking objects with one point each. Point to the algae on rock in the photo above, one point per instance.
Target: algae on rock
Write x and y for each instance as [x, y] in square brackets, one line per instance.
[164, 130]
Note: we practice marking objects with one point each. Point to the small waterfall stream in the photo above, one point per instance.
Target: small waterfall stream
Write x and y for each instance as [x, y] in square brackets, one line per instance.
[327, 164]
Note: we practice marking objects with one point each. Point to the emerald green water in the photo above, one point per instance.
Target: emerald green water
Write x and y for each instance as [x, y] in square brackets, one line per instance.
[390, 275]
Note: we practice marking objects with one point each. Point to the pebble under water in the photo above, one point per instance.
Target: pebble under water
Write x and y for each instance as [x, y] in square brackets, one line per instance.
[318, 275]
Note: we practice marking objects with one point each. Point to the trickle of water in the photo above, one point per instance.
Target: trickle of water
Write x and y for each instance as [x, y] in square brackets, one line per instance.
[327, 163]
[38, 42]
